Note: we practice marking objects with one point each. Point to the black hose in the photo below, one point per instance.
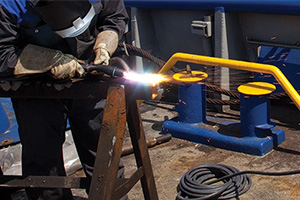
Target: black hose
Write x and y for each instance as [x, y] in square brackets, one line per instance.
[194, 184]
[116, 61]
[199, 183]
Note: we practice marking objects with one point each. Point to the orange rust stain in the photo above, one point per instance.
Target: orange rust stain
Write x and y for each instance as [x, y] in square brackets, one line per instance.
[293, 189]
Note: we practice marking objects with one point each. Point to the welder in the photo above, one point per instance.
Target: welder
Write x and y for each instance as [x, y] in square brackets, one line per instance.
[38, 36]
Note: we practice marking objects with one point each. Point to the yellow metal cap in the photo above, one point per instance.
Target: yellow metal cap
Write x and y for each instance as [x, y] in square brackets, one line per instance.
[257, 88]
[193, 76]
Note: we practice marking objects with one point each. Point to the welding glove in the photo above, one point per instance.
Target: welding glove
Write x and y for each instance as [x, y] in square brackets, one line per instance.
[36, 59]
[105, 45]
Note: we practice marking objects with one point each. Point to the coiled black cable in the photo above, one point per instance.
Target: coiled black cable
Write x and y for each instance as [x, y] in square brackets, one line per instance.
[199, 183]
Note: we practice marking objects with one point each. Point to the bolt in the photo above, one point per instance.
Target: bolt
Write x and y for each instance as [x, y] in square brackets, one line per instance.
[105, 125]
[188, 69]
[100, 177]
[120, 90]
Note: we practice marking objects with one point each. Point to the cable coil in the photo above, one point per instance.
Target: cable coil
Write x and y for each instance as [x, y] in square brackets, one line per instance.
[199, 183]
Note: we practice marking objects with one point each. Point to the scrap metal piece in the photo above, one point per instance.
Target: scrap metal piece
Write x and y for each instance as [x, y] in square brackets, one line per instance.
[151, 142]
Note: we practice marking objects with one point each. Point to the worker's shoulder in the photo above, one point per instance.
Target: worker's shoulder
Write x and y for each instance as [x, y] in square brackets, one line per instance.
[15, 7]
[19, 8]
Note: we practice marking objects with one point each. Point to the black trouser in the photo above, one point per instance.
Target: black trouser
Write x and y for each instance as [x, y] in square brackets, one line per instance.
[42, 124]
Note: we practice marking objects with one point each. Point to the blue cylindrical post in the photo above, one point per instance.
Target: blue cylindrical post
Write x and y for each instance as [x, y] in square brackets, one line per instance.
[255, 109]
[192, 102]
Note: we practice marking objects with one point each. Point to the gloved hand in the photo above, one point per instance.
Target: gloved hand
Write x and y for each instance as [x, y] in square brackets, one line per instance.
[35, 59]
[67, 67]
[105, 45]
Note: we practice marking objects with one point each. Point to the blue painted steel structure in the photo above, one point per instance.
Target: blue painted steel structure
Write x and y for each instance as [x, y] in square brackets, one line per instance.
[8, 125]
[4, 121]
[290, 7]
[265, 6]
[8, 128]
[286, 59]
[255, 134]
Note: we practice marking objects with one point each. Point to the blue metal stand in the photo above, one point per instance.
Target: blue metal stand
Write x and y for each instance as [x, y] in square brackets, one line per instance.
[255, 134]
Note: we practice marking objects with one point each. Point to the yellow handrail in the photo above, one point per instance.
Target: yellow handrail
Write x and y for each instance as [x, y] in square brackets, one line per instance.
[235, 64]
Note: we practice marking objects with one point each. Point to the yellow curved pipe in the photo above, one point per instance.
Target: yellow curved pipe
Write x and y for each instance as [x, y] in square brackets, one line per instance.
[234, 64]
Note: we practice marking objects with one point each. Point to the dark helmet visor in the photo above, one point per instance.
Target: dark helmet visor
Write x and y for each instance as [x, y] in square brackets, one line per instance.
[68, 18]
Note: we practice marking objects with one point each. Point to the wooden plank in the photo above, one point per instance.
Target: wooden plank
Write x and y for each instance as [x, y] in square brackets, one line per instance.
[110, 145]
[141, 150]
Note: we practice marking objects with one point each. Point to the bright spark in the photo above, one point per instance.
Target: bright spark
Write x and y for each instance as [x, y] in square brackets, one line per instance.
[144, 78]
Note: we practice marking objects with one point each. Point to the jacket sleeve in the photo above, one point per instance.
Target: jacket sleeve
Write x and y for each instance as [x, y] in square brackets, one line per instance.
[113, 17]
[8, 42]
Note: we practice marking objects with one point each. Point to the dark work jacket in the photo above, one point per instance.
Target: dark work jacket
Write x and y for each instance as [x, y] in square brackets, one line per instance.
[21, 25]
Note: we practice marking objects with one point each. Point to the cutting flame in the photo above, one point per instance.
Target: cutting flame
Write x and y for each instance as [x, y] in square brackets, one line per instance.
[151, 79]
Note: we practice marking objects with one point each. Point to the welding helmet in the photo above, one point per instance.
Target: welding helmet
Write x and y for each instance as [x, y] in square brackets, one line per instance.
[67, 18]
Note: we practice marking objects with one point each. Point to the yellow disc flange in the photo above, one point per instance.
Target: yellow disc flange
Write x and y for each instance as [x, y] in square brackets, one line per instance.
[193, 76]
[257, 88]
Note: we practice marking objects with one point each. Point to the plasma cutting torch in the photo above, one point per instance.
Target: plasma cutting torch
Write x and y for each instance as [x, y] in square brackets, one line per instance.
[110, 70]
[126, 72]
[146, 80]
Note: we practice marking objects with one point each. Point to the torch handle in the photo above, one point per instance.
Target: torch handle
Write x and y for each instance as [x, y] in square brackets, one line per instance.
[107, 69]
